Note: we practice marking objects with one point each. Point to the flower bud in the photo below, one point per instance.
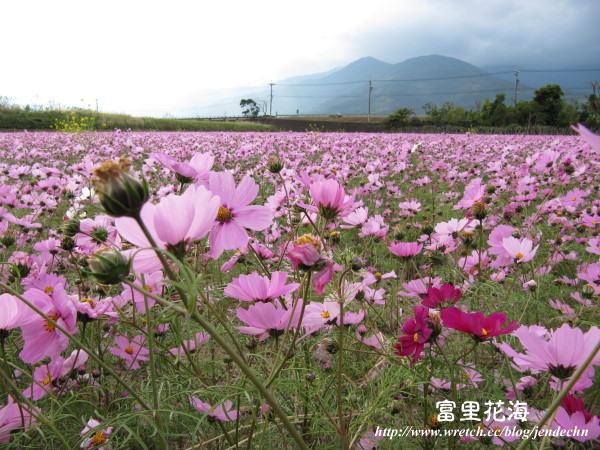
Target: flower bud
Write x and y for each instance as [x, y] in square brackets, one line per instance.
[71, 227]
[121, 193]
[8, 238]
[275, 165]
[109, 266]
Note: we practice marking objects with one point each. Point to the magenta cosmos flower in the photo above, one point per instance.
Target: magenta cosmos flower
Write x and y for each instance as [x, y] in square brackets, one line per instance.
[405, 249]
[443, 297]
[476, 323]
[254, 287]
[235, 213]
[330, 199]
[417, 334]
[559, 352]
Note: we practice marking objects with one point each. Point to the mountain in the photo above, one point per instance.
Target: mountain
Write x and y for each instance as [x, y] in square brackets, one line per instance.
[412, 83]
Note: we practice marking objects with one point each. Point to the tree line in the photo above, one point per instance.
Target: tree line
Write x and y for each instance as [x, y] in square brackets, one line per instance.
[547, 108]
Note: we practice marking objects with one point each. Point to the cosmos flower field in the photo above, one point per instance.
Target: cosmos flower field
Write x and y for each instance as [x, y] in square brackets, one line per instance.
[299, 290]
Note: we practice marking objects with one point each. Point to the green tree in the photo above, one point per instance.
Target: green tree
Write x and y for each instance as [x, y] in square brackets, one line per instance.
[398, 118]
[494, 113]
[549, 103]
[249, 108]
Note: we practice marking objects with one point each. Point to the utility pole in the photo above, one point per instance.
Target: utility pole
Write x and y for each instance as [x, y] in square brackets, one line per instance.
[516, 86]
[96, 105]
[370, 90]
[271, 101]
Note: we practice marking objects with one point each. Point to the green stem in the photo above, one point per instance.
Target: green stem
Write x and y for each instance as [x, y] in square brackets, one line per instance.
[237, 359]
[155, 403]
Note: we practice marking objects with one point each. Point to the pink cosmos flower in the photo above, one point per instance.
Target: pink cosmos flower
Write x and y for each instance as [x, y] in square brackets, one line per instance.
[132, 351]
[41, 338]
[152, 283]
[222, 412]
[14, 416]
[47, 377]
[330, 199]
[196, 170]
[190, 345]
[11, 312]
[572, 417]
[444, 297]
[95, 437]
[254, 287]
[559, 352]
[306, 255]
[480, 327]
[520, 250]
[89, 309]
[176, 221]
[419, 287]
[405, 249]
[186, 217]
[267, 319]
[474, 192]
[235, 213]
[356, 218]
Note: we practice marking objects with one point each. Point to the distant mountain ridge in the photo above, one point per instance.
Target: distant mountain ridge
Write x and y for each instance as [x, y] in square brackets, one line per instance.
[411, 83]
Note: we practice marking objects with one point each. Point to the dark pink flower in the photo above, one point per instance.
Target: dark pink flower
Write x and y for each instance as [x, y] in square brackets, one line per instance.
[417, 333]
[443, 297]
[476, 323]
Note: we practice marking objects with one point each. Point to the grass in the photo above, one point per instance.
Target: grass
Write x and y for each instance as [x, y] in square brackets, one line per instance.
[17, 118]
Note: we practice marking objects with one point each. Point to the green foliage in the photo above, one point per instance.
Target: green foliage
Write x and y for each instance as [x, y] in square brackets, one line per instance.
[549, 104]
[36, 118]
[399, 118]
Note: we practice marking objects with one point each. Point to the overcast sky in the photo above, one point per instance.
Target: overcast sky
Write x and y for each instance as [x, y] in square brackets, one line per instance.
[147, 57]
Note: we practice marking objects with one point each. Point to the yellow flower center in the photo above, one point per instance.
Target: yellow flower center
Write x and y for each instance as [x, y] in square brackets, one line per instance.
[308, 239]
[378, 275]
[325, 314]
[50, 327]
[46, 381]
[99, 438]
[484, 332]
[416, 337]
[223, 215]
[91, 302]
[573, 198]
[129, 350]
[147, 288]
[497, 431]
[48, 289]
[519, 255]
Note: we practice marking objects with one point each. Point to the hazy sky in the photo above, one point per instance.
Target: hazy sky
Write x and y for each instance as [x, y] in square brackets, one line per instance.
[147, 57]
